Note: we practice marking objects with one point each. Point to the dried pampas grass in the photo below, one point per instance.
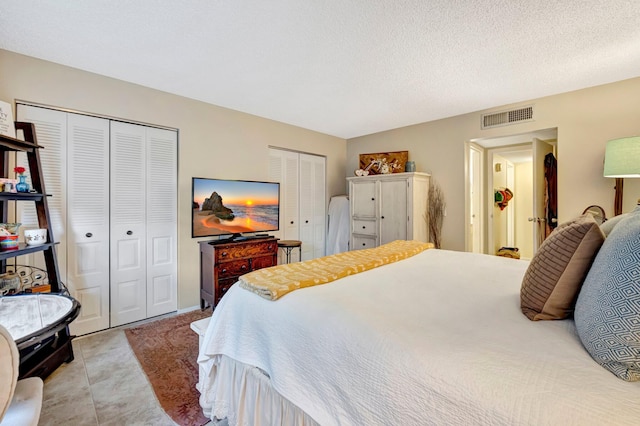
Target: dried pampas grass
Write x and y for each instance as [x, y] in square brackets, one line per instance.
[435, 213]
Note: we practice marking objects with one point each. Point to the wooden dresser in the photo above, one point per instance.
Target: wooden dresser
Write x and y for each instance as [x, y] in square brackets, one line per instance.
[222, 263]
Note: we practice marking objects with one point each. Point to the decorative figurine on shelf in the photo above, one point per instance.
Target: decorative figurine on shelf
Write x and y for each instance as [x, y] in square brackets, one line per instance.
[22, 185]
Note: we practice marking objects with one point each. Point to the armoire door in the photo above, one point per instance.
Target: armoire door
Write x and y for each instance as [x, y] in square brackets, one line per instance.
[394, 217]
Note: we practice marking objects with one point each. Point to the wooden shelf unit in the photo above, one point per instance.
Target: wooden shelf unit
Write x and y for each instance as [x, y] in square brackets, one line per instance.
[41, 359]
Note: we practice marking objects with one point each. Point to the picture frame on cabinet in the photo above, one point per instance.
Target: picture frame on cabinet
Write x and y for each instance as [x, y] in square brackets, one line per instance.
[7, 127]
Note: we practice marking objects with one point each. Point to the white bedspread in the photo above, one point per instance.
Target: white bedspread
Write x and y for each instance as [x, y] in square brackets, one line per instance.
[434, 339]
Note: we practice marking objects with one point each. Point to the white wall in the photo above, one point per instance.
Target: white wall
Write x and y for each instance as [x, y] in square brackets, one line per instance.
[586, 120]
[213, 141]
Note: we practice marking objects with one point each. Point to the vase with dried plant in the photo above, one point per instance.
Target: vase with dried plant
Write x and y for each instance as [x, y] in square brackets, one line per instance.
[435, 213]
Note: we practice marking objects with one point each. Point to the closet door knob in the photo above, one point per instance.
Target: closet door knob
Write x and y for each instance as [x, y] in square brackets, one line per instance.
[88, 235]
[292, 222]
[373, 199]
[382, 217]
[306, 221]
[129, 232]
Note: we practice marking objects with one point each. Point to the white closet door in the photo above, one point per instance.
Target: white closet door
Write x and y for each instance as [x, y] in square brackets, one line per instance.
[306, 205]
[161, 244]
[319, 206]
[284, 168]
[51, 131]
[88, 220]
[128, 215]
[312, 206]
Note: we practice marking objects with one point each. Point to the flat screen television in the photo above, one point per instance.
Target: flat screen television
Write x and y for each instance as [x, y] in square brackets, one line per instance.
[234, 207]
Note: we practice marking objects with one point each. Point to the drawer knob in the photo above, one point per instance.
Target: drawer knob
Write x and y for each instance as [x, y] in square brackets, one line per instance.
[364, 227]
[243, 267]
[88, 235]
[224, 270]
[364, 244]
[129, 232]
[223, 254]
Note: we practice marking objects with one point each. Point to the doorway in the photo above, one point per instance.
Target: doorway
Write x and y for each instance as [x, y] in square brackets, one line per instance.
[505, 192]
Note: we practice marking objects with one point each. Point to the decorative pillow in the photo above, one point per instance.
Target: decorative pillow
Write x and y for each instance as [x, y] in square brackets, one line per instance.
[608, 225]
[554, 277]
[607, 312]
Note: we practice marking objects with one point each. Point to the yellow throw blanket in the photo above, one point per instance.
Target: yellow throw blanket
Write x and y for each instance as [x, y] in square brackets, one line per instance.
[276, 281]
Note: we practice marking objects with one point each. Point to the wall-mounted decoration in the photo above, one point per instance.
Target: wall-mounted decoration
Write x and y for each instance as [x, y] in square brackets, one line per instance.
[502, 196]
[384, 162]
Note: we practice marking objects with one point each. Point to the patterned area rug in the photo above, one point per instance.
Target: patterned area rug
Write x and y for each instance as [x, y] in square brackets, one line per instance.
[167, 350]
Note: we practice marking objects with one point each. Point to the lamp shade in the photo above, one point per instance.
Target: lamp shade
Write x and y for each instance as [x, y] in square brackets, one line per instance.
[622, 158]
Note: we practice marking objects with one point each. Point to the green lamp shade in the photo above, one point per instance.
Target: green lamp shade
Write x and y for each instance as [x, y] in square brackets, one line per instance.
[622, 158]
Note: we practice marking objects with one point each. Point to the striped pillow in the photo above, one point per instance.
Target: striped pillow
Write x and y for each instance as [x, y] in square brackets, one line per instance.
[556, 272]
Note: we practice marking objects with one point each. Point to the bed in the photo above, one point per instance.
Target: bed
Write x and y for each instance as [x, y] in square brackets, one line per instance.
[437, 338]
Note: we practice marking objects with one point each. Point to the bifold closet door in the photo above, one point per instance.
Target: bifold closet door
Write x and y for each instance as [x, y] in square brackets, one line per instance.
[128, 234]
[312, 206]
[75, 165]
[162, 220]
[143, 222]
[87, 221]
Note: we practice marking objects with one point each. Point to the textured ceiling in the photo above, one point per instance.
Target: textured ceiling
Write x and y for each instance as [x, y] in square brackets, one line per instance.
[342, 67]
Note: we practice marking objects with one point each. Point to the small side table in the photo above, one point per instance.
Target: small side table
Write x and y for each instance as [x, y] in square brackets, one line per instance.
[289, 245]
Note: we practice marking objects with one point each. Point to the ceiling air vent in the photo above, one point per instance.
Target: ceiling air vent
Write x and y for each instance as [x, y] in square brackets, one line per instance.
[507, 117]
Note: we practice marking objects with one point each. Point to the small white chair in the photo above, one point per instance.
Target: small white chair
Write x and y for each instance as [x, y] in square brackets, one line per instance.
[20, 400]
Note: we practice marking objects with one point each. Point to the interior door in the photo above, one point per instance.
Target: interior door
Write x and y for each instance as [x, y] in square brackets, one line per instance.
[475, 201]
[161, 230]
[540, 150]
[128, 215]
[284, 168]
[394, 217]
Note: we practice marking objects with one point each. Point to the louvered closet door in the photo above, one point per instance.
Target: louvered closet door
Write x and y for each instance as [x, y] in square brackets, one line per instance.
[51, 131]
[128, 213]
[162, 169]
[312, 205]
[88, 220]
[284, 168]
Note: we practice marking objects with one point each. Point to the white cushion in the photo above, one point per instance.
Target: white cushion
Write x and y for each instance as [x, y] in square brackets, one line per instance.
[9, 367]
[26, 404]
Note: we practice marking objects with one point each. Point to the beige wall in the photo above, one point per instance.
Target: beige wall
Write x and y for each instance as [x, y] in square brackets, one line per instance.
[585, 119]
[213, 141]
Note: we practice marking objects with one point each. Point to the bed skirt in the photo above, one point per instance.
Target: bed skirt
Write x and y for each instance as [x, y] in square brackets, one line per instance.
[243, 394]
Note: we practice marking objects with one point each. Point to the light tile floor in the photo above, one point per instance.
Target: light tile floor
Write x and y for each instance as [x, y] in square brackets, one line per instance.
[104, 385]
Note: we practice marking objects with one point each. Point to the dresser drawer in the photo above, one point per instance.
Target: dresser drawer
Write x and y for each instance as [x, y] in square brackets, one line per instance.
[263, 262]
[363, 242]
[233, 269]
[366, 227]
[245, 250]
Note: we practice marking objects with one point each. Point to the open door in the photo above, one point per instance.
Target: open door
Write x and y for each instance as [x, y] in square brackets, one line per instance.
[538, 220]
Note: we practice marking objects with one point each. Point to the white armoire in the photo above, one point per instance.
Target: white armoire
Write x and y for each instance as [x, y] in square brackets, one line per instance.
[303, 213]
[386, 208]
[113, 188]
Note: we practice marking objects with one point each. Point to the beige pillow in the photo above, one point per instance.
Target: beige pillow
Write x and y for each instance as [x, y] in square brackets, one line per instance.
[552, 282]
